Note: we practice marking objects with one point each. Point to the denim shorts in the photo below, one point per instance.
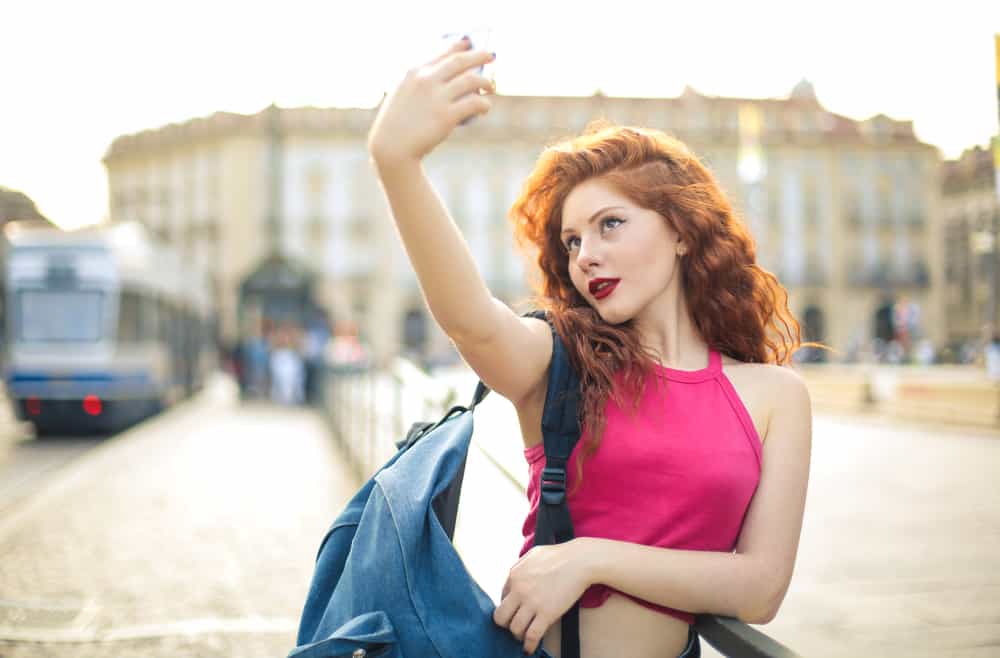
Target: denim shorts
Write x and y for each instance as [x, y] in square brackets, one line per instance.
[692, 650]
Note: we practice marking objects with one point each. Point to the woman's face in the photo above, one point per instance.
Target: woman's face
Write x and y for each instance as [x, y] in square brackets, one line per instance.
[622, 258]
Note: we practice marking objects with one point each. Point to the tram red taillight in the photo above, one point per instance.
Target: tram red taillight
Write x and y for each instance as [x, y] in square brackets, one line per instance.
[92, 405]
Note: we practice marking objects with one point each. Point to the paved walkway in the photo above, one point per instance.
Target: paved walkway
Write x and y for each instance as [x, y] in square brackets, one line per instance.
[195, 534]
[11, 428]
[190, 535]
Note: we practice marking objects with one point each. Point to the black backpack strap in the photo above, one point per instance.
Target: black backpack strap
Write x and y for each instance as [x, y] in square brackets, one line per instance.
[560, 432]
[481, 392]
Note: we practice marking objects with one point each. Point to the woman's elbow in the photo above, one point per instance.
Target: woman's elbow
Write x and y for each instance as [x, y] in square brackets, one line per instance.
[757, 617]
[765, 609]
[760, 619]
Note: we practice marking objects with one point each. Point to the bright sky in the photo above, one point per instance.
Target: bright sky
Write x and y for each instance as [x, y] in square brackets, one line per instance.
[77, 74]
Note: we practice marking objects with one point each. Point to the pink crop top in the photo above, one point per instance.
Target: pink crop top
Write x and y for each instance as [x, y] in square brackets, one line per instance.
[679, 474]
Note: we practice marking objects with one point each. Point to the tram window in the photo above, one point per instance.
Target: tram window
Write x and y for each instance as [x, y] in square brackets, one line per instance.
[148, 318]
[129, 318]
[59, 316]
[164, 319]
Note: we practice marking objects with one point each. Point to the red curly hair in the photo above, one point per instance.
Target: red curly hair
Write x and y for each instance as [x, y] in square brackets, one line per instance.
[738, 308]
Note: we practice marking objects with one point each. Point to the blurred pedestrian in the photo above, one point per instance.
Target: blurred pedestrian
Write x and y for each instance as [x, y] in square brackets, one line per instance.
[649, 277]
[235, 365]
[993, 358]
[256, 357]
[346, 347]
[313, 350]
[924, 352]
[904, 324]
[287, 369]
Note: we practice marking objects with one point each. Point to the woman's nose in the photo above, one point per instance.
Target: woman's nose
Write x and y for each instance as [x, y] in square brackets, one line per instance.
[587, 256]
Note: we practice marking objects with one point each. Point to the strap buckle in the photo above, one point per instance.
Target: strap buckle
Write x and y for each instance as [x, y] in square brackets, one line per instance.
[553, 485]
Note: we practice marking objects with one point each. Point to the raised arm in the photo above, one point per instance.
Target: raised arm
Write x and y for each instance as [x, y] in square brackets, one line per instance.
[510, 354]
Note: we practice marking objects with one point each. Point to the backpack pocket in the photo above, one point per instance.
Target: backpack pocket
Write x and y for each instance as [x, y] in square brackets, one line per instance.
[370, 635]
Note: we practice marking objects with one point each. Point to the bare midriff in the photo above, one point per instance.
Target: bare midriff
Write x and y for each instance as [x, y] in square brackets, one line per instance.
[622, 627]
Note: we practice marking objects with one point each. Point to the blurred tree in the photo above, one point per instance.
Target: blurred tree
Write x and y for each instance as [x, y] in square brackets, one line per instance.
[16, 205]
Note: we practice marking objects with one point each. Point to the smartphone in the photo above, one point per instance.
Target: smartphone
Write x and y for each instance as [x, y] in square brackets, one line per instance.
[480, 39]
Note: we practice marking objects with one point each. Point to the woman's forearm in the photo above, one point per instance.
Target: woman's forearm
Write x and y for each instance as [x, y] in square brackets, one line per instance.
[727, 584]
[455, 291]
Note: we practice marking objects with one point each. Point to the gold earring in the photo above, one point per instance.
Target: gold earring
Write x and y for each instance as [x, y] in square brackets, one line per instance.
[681, 250]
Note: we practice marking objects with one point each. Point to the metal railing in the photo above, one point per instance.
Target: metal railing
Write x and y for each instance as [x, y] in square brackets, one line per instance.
[369, 410]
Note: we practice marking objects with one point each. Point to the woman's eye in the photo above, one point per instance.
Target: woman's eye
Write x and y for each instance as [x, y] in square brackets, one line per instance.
[607, 220]
[606, 223]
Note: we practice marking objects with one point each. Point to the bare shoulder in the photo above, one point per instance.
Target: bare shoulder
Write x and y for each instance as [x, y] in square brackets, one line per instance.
[791, 408]
[788, 385]
[774, 379]
[771, 393]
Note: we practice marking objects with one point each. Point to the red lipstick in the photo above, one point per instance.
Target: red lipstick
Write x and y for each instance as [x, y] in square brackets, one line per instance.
[601, 288]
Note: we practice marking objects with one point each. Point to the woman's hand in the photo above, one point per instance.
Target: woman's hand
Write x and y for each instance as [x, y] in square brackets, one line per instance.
[427, 105]
[540, 588]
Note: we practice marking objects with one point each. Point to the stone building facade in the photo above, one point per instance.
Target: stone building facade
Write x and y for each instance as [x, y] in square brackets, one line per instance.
[970, 215]
[843, 211]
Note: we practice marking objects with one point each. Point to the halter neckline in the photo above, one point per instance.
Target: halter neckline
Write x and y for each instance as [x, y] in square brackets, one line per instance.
[714, 367]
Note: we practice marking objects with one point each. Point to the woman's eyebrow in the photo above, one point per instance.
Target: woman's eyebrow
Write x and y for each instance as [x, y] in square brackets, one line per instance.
[593, 217]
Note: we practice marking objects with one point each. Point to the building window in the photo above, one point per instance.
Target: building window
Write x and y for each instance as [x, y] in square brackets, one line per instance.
[773, 206]
[316, 180]
[360, 229]
[538, 118]
[810, 201]
[669, 120]
[317, 231]
[580, 117]
[731, 124]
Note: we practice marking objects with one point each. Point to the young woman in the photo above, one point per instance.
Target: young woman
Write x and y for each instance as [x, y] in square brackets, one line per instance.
[688, 485]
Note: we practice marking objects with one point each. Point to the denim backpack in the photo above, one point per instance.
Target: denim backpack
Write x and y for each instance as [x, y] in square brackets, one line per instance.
[388, 581]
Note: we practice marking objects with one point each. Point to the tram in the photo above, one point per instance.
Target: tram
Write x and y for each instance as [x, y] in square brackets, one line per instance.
[103, 327]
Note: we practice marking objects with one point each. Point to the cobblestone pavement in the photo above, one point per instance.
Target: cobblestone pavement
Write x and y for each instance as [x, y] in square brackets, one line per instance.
[29, 463]
[12, 430]
[193, 534]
